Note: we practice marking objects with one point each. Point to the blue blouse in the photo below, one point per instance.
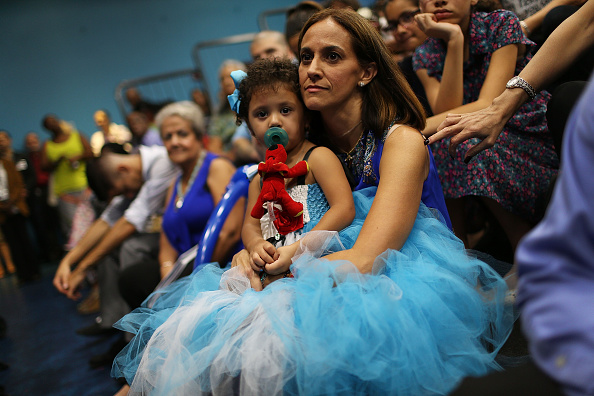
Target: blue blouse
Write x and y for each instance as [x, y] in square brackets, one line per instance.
[184, 226]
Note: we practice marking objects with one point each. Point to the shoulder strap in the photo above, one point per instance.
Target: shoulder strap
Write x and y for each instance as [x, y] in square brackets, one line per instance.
[425, 138]
[301, 179]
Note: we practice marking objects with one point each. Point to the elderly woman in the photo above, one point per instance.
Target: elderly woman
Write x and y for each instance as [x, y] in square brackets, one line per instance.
[397, 307]
[190, 200]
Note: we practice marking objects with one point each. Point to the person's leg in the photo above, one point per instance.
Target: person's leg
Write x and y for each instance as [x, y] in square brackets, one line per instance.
[514, 227]
[523, 380]
[559, 108]
[16, 234]
[6, 256]
[113, 307]
[141, 273]
[457, 211]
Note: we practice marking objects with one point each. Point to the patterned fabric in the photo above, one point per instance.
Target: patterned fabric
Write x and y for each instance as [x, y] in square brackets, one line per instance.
[518, 169]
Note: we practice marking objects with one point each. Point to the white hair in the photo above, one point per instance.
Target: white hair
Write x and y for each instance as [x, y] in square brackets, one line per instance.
[187, 110]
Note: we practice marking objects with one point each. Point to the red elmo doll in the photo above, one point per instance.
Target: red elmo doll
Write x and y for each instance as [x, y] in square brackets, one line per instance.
[273, 173]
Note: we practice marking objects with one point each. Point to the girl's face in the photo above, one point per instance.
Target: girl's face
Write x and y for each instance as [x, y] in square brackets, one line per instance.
[329, 71]
[277, 108]
[183, 147]
[451, 11]
[400, 15]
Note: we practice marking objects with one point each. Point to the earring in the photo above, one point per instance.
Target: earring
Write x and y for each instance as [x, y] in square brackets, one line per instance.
[361, 84]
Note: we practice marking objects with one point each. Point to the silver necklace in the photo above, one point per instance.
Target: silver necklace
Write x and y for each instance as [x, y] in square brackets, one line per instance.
[179, 202]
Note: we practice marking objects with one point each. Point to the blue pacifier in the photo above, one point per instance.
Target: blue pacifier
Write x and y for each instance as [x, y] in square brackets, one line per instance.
[276, 135]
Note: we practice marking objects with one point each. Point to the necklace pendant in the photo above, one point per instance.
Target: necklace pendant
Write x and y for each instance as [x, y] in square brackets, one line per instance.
[179, 203]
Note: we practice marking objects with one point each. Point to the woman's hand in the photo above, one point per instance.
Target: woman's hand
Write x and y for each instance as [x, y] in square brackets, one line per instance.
[243, 260]
[429, 24]
[485, 124]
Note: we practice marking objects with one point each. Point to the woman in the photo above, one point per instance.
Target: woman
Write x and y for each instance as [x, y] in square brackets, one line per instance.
[190, 200]
[396, 309]
[65, 156]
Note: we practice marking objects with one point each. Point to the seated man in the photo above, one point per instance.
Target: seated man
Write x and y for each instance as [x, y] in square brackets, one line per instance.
[126, 233]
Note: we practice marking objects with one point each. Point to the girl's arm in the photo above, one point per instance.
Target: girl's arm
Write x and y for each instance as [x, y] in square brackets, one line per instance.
[403, 169]
[219, 175]
[501, 69]
[448, 93]
[167, 253]
[260, 251]
[328, 173]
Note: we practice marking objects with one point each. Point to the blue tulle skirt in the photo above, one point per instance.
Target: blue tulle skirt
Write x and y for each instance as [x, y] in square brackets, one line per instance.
[427, 316]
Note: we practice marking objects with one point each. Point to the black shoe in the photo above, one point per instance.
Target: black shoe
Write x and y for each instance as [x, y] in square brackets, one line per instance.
[106, 359]
[96, 329]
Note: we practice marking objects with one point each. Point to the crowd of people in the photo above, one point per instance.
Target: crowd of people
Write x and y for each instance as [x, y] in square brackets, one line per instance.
[415, 130]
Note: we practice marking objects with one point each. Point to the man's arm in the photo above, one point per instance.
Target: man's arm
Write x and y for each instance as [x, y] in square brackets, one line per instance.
[93, 235]
[121, 230]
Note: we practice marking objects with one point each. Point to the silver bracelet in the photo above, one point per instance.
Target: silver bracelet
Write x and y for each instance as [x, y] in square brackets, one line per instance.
[525, 27]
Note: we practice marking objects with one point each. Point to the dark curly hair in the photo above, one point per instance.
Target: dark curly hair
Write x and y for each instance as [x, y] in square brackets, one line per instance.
[267, 74]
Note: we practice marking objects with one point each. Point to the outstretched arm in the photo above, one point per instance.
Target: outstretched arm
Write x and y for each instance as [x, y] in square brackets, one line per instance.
[561, 49]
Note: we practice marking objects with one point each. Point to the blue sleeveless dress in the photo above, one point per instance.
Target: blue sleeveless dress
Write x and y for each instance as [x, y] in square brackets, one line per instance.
[425, 317]
[184, 226]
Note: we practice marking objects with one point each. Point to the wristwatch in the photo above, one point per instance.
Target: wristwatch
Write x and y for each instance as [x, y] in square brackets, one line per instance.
[519, 82]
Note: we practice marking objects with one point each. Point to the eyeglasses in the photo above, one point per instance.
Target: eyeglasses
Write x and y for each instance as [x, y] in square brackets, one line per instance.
[405, 19]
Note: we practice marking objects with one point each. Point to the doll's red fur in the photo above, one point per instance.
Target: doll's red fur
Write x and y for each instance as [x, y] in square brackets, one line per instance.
[273, 173]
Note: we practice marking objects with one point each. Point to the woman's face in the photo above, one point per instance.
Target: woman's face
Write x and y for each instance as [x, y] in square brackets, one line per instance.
[183, 147]
[400, 15]
[450, 11]
[329, 71]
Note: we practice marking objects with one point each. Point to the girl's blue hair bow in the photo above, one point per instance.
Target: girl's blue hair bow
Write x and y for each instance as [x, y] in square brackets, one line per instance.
[234, 101]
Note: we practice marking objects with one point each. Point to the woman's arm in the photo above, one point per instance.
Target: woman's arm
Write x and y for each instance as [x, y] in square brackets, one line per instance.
[327, 171]
[574, 36]
[403, 169]
[46, 164]
[501, 69]
[167, 253]
[219, 175]
[448, 93]
[87, 151]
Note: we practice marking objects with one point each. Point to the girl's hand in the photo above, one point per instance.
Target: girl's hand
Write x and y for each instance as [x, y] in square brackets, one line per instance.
[262, 253]
[445, 31]
[283, 260]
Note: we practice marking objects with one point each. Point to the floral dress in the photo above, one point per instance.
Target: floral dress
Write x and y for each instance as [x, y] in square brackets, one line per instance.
[517, 171]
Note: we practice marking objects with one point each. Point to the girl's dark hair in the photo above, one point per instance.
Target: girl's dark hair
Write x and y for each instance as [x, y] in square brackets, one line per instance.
[388, 97]
[266, 74]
